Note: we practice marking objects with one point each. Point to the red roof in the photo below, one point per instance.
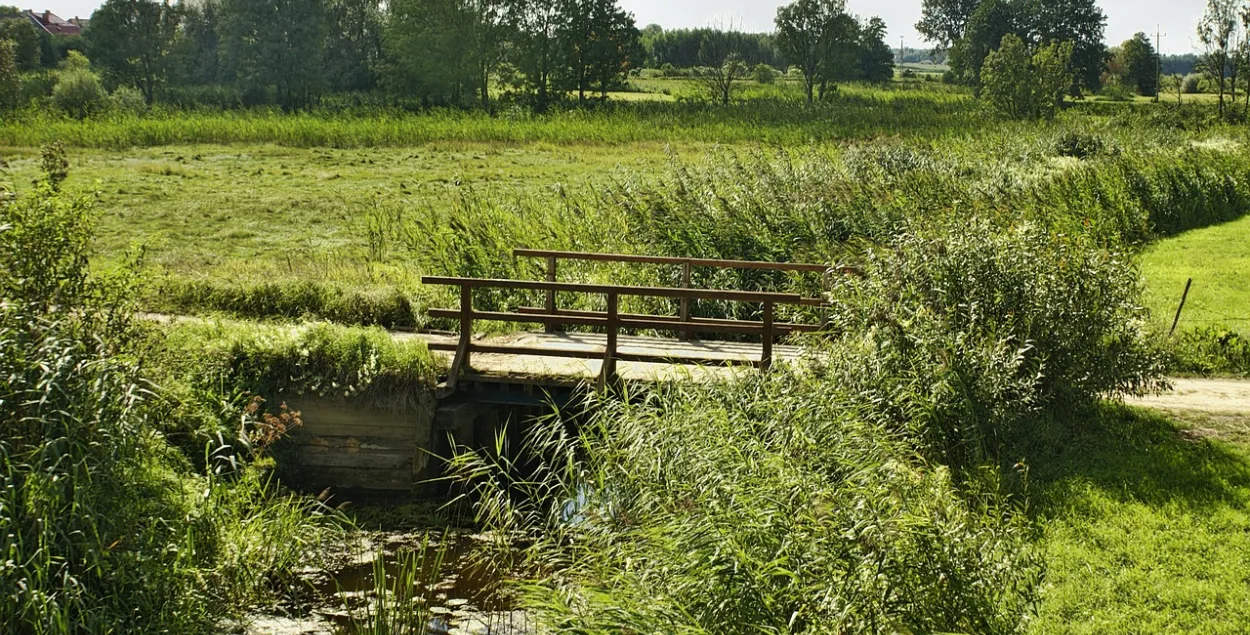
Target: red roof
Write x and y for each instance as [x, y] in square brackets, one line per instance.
[54, 24]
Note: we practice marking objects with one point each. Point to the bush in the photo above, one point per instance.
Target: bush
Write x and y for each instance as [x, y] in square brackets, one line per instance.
[978, 328]
[1021, 85]
[1191, 84]
[128, 100]
[1209, 351]
[1079, 145]
[764, 74]
[79, 94]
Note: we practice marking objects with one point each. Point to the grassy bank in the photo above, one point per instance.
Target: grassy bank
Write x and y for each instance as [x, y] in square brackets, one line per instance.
[1146, 525]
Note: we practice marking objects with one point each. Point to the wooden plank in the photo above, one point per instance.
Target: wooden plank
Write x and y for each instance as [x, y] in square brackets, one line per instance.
[367, 460]
[673, 260]
[357, 444]
[350, 478]
[781, 327]
[658, 292]
[315, 428]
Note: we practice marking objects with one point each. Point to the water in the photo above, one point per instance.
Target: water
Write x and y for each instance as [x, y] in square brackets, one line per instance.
[441, 584]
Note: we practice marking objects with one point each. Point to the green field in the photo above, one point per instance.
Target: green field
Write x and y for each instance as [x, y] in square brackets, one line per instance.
[949, 465]
[1217, 259]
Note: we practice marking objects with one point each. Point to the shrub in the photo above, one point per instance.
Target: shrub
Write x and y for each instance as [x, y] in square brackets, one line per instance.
[128, 100]
[79, 94]
[1079, 145]
[1021, 85]
[1191, 84]
[764, 74]
[980, 327]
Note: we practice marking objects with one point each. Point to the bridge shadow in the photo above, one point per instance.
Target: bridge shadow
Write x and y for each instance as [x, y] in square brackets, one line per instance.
[1136, 455]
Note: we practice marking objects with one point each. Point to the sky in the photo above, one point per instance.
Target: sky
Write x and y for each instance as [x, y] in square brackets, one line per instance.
[1178, 19]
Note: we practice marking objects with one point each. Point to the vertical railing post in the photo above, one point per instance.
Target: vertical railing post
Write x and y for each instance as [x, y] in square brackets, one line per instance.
[609, 354]
[766, 359]
[685, 302]
[552, 263]
[464, 349]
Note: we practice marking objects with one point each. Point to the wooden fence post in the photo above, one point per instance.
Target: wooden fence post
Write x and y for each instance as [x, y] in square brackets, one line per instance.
[766, 360]
[1184, 297]
[608, 376]
[463, 361]
[685, 302]
[552, 263]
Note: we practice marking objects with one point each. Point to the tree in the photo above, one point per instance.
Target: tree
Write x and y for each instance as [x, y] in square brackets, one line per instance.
[1021, 85]
[815, 36]
[990, 23]
[945, 22]
[195, 54]
[10, 81]
[535, 49]
[1216, 32]
[1138, 65]
[599, 42]
[131, 41]
[17, 29]
[274, 45]
[876, 59]
[723, 66]
[1080, 22]
[354, 47]
[446, 50]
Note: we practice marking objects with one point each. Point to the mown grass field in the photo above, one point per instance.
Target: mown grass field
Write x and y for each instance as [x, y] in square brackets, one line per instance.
[1145, 522]
[1218, 261]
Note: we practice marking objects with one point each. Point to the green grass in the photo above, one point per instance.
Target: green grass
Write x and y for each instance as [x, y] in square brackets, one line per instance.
[1218, 260]
[1146, 526]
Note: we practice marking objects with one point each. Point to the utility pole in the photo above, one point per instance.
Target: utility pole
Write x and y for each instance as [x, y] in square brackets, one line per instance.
[1158, 60]
[901, 50]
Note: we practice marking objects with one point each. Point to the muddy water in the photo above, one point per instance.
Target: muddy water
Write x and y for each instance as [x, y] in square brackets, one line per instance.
[443, 579]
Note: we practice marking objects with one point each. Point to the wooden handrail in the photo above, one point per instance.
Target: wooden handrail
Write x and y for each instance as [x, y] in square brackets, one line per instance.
[687, 264]
[652, 292]
[612, 319]
[673, 260]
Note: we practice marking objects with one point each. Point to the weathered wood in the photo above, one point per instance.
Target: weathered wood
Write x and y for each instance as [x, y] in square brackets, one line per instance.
[375, 460]
[609, 353]
[781, 327]
[728, 295]
[766, 359]
[552, 264]
[672, 260]
[685, 302]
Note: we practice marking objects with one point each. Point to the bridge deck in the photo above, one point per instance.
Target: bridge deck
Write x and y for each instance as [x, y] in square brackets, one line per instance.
[535, 368]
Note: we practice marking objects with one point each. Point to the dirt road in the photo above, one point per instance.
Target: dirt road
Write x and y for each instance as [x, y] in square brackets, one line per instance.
[1215, 396]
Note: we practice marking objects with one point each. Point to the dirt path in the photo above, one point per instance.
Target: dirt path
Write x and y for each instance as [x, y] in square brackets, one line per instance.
[1215, 396]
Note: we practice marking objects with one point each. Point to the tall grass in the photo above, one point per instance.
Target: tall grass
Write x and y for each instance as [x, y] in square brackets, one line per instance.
[866, 492]
[104, 527]
[773, 121]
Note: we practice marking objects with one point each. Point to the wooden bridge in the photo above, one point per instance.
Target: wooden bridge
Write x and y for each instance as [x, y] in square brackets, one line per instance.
[609, 354]
[499, 385]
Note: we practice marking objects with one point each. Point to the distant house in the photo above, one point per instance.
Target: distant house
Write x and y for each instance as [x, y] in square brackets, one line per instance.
[52, 24]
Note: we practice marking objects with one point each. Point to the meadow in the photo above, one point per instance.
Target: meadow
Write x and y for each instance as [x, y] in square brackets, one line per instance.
[955, 470]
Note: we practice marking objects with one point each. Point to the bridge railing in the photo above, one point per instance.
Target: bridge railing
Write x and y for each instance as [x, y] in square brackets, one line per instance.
[612, 320]
[687, 265]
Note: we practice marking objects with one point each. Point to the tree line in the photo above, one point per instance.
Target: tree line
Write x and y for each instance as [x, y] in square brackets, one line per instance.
[433, 52]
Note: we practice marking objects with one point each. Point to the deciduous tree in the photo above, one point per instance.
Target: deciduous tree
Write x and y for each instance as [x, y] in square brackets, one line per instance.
[1026, 86]
[10, 83]
[945, 22]
[131, 41]
[1138, 65]
[275, 45]
[17, 28]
